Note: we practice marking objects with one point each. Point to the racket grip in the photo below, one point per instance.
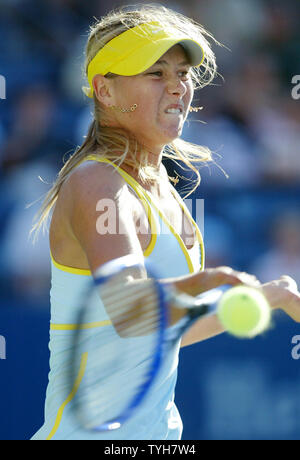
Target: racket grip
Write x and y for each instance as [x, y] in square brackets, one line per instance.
[183, 304]
[182, 300]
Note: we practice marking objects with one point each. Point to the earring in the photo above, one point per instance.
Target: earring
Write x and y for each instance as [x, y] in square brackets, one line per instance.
[195, 109]
[120, 109]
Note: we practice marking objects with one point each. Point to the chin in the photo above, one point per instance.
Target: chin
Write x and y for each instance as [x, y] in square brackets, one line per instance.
[162, 138]
[173, 133]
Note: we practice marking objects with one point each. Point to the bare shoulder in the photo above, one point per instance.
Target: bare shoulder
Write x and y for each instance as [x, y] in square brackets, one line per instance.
[93, 178]
[90, 186]
[85, 185]
[93, 204]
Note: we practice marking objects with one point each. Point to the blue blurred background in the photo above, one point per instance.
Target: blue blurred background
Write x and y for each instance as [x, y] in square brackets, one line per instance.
[227, 389]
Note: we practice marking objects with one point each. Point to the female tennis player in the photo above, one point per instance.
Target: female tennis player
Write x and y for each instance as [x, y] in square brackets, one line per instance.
[113, 198]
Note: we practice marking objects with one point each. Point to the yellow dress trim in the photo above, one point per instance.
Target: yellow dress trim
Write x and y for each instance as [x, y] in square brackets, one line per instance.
[192, 221]
[65, 268]
[140, 193]
[78, 380]
[201, 244]
[75, 327]
[177, 236]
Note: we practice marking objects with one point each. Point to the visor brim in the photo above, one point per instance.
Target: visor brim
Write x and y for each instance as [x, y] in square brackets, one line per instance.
[147, 55]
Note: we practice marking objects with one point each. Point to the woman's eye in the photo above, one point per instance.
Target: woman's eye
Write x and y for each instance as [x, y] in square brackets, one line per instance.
[158, 73]
[184, 74]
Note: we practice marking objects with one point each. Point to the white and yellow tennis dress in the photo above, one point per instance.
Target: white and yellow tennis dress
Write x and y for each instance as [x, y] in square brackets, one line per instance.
[158, 417]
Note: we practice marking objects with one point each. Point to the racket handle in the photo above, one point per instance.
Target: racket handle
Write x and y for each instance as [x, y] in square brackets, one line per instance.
[181, 304]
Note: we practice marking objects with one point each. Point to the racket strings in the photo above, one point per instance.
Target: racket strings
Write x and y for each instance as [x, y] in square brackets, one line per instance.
[132, 308]
[119, 354]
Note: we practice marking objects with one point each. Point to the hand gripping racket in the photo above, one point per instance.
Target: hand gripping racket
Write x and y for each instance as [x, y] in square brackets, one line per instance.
[124, 332]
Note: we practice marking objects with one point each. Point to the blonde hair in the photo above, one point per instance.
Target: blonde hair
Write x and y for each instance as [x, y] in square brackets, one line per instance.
[108, 142]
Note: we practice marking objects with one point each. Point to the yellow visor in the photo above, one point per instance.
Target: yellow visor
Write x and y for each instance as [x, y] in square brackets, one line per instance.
[137, 49]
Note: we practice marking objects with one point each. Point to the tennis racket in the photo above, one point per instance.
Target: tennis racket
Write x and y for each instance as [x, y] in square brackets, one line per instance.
[124, 333]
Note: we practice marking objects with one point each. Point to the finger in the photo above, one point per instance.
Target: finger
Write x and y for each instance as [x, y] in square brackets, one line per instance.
[236, 278]
[291, 282]
[249, 280]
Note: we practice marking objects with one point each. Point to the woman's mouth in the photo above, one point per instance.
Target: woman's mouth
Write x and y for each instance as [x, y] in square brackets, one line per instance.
[175, 109]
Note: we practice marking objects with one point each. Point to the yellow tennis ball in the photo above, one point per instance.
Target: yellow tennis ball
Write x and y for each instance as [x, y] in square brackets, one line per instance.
[244, 311]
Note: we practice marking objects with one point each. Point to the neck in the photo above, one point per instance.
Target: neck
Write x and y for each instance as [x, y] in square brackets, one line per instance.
[154, 159]
[152, 168]
[145, 157]
[154, 153]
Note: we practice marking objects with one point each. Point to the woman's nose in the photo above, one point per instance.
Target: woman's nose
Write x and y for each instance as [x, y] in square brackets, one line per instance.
[176, 86]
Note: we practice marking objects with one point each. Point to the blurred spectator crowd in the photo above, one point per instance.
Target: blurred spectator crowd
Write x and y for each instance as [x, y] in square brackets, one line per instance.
[250, 121]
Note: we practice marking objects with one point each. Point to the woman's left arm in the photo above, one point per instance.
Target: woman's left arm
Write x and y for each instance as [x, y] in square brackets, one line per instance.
[282, 294]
